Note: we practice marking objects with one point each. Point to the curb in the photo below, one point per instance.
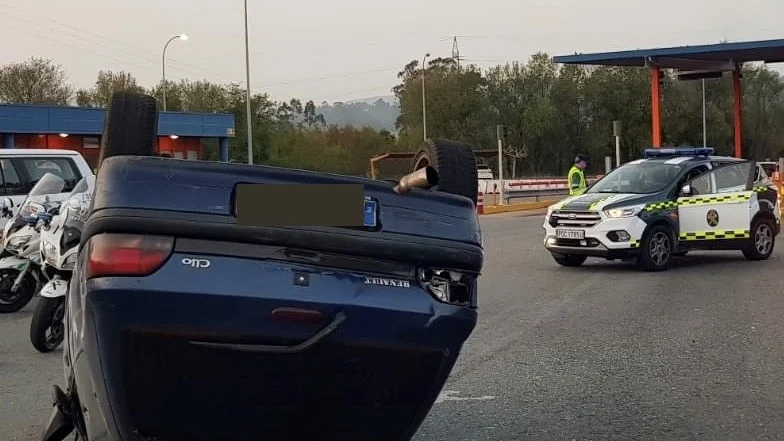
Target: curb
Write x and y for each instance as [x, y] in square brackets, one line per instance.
[525, 206]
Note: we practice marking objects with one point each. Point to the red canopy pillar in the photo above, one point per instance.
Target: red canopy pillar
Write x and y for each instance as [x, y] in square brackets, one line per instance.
[656, 107]
[737, 111]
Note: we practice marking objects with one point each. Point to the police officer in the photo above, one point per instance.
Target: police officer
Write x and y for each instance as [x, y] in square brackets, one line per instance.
[576, 176]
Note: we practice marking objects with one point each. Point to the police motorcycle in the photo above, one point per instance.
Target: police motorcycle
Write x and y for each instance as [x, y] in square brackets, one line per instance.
[60, 235]
[20, 271]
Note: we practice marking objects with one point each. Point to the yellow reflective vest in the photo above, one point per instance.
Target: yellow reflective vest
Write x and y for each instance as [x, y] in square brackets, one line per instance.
[576, 179]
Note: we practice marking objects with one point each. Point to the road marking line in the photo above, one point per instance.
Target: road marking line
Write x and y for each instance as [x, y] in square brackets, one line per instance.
[448, 395]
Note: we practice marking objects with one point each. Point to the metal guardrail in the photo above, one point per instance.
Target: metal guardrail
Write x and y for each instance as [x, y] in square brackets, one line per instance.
[528, 190]
[511, 196]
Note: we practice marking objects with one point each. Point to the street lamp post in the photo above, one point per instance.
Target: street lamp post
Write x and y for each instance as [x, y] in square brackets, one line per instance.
[247, 91]
[163, 63]
[424, 107]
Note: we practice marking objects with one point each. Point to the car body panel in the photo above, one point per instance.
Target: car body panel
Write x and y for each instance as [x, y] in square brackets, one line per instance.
[176, 354]
[383, 323]
[207, 188]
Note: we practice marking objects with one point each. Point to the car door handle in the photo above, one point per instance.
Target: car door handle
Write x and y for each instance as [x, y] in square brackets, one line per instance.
[340, 317]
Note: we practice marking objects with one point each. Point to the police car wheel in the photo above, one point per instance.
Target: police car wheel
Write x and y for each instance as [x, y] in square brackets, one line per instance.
[657, 249]
[569, 259]
[760, 246]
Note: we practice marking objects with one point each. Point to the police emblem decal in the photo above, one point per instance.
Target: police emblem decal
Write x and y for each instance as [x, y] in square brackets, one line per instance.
[712, 218]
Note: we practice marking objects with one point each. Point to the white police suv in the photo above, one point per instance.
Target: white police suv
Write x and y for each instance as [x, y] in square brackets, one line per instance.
[672, 201]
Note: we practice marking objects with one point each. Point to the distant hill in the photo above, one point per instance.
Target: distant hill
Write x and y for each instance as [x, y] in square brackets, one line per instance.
[378, 112]
[391, 99]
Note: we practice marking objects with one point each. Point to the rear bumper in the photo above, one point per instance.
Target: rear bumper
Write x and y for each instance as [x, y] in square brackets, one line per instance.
[375, 377]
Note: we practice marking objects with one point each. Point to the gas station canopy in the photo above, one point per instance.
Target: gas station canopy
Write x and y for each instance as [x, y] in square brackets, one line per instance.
[690, 63]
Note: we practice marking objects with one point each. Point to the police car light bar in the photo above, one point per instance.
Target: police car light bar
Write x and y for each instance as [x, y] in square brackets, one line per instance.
[680, 151]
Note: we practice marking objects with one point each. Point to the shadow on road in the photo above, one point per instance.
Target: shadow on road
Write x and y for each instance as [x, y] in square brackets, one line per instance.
[701, 260]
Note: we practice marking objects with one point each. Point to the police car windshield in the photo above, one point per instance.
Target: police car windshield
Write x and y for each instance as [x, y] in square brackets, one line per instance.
[638, 178]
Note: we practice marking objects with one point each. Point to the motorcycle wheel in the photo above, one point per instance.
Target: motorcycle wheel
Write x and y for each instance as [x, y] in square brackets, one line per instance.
[49, 315]
[14, 301]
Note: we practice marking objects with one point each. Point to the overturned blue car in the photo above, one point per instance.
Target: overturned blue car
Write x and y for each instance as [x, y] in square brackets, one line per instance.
[195, 313]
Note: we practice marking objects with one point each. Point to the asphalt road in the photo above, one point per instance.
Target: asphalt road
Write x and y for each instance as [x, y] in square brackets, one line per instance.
[592, 353]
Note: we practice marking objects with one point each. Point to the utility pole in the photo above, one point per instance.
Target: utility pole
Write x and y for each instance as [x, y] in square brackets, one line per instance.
[617, 134]
[424, 108]
[499, 130]
[248, 116]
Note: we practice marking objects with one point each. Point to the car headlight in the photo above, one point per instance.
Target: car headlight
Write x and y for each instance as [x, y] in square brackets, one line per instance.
[17, 242]
[620, 212]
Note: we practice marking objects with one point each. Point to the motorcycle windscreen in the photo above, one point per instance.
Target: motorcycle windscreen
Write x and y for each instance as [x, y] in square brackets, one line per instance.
[36, 201]
[75, 209]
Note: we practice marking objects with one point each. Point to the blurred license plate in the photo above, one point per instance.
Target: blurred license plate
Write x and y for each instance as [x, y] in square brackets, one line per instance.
[570, 234]
[371, 213]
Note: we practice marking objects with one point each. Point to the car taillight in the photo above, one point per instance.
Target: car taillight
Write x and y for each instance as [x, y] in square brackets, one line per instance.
[126, 254]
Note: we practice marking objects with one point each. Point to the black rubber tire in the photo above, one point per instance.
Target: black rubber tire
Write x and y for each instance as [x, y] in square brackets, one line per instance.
[656, 235]
[569, 259]
[46, 311]
[22, 297]
[760, 227]
[130, 127]
[455, 163]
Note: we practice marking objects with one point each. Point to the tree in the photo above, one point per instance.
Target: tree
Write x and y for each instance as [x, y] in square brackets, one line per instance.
[106, 84]
[456, 103]
[35, 81]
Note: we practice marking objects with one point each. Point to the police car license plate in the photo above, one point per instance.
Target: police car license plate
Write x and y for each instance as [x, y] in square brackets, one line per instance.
[570, 234]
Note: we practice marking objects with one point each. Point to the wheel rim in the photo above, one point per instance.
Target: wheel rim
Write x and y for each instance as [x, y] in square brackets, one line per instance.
[6, 282]
[56, 328]
[763, 239]
[659, 248]
[421, 163]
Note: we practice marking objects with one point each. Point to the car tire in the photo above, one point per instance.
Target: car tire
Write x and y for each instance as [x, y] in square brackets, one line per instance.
[762, 241]
[130, 127]
[571, 260]
[455, 163]
[657, 249]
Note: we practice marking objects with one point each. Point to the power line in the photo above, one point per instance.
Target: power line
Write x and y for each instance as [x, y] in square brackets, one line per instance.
[153, 60]
[336, 76]
[332, 48]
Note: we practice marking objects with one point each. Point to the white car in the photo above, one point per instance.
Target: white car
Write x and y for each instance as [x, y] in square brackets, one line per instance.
[673, 201]
[20, 169]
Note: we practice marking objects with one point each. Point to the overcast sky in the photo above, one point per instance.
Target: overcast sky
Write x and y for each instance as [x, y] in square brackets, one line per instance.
[338, 50]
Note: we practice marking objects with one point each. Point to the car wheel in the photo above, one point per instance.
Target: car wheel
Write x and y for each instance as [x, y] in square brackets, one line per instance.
[656, 250]
[569, 259]
[760, 247]
[455, 163]
[130, 127]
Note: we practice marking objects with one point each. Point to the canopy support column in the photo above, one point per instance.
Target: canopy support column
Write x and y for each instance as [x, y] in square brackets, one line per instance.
[737, 111]
[656, 106]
